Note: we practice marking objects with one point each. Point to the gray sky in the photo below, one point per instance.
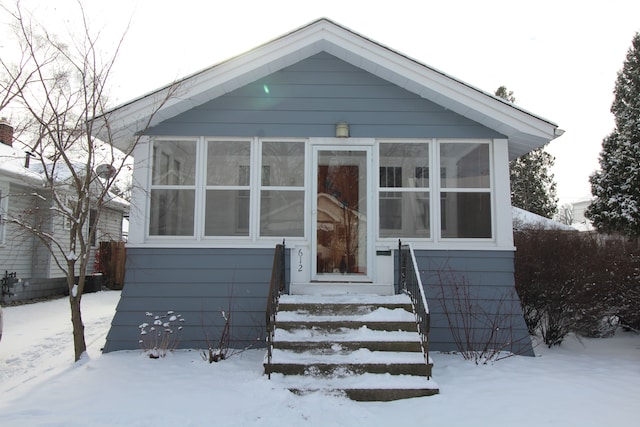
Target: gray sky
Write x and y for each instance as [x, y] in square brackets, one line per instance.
[559, 57]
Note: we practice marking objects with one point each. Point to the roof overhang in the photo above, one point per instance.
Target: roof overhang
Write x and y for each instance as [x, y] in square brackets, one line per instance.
[524, 130]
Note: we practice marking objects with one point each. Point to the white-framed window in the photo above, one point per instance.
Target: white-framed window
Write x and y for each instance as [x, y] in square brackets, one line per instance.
[4, 208]
[93, 217]
[404, 188]
[173, 187]
[228, 188]
[282, 188]
[69, 203]
[248, 189]
[465, 190]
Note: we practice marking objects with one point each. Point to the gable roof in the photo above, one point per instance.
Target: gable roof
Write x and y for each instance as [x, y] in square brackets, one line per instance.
[524, 130]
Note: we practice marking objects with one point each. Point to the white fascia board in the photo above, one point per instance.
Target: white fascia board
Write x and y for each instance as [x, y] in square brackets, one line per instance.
[439, 87]
[502, 193]
[139, 192]
[214, 82]
[355, 49]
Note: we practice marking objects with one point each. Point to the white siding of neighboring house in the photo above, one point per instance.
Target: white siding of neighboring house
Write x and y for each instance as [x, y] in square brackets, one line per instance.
[109, 228]
[17, 250]
[579, 220]
[23, 253]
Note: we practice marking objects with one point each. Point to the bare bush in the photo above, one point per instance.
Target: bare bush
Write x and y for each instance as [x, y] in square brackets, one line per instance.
[482, 328]
[161, 335]
[221, 350]
[576, 282]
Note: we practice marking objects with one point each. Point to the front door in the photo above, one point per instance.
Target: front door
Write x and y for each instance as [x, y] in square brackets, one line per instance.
[341, 232]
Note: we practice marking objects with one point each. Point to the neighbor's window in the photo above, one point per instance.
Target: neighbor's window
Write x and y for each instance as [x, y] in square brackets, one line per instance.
[228, 191]
[3, 210]
[282, 189]
[93, 215]
[173, 180]
[465, 190]
[404, 187]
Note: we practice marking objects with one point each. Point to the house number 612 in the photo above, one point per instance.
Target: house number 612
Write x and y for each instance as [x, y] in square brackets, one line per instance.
[300, 253]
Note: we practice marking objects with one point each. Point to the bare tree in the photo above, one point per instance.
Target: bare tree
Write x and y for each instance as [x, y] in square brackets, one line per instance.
[565, 214]
[60, 86]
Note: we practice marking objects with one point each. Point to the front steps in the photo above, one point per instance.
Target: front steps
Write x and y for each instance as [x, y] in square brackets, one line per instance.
[363, 346]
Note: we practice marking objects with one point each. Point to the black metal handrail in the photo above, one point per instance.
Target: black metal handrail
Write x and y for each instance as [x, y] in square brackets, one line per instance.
[409, 280]
[275, 288]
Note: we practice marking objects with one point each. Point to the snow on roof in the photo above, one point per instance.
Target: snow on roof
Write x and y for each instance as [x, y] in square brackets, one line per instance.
[12, 161]
[12, 166]
[524, 219]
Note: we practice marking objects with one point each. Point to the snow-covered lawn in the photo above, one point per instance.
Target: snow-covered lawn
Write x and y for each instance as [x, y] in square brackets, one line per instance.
[583, 383]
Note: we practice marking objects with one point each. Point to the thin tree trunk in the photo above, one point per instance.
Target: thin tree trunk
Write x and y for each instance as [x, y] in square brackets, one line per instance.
[79, 344]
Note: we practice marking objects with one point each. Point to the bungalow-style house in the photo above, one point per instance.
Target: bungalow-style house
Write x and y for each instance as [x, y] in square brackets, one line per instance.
[340, 147]
[28, 267]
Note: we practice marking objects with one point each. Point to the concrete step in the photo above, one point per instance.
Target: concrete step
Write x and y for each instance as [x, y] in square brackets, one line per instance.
[332, 308]
[331, 347]
[341, 324]
[333, 369]
[363, 387]
[366, 347]
[340, 363]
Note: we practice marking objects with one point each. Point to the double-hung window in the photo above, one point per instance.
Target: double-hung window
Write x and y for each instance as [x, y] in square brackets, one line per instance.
[173, 188]
[465, 190]
[282, 189]
[404, 187]
[4, 193]
[228, 188]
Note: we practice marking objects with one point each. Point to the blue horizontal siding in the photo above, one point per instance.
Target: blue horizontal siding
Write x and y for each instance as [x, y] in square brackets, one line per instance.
[201, 283]
[482, 279]
[198, 284]
[307, 99]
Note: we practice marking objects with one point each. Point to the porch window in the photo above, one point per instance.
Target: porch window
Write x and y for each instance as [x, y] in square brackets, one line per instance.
[465, 190]
[228, 183]
[173, 180]
[282, 189]
[404, 188]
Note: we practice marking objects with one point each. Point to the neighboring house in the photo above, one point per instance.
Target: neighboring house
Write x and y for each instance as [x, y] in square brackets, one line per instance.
[22, 195]
[580, 221]
[337, 145]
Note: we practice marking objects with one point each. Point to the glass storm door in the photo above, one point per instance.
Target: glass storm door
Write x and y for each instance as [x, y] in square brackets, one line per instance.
[341, 205]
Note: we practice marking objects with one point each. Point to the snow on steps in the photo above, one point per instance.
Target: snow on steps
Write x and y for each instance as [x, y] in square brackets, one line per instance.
[363, 346]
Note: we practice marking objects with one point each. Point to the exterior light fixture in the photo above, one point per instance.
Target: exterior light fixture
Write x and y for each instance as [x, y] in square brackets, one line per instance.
[342, 130]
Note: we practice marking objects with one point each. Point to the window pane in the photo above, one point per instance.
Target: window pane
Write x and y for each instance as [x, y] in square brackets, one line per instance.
[282, 213]
[227, 213]
[228, 162]
[390, 176]
[404, 214]
[466, 215]
[404, 165]
[172, 212]
[283, 164]
[464, 165]
[174, 163]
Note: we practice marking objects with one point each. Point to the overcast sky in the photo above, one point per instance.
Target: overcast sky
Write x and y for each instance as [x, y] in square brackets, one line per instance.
[559, 57]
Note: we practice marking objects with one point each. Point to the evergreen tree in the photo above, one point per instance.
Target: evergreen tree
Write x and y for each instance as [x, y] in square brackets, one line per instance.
[532, 185]
[616, 186]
